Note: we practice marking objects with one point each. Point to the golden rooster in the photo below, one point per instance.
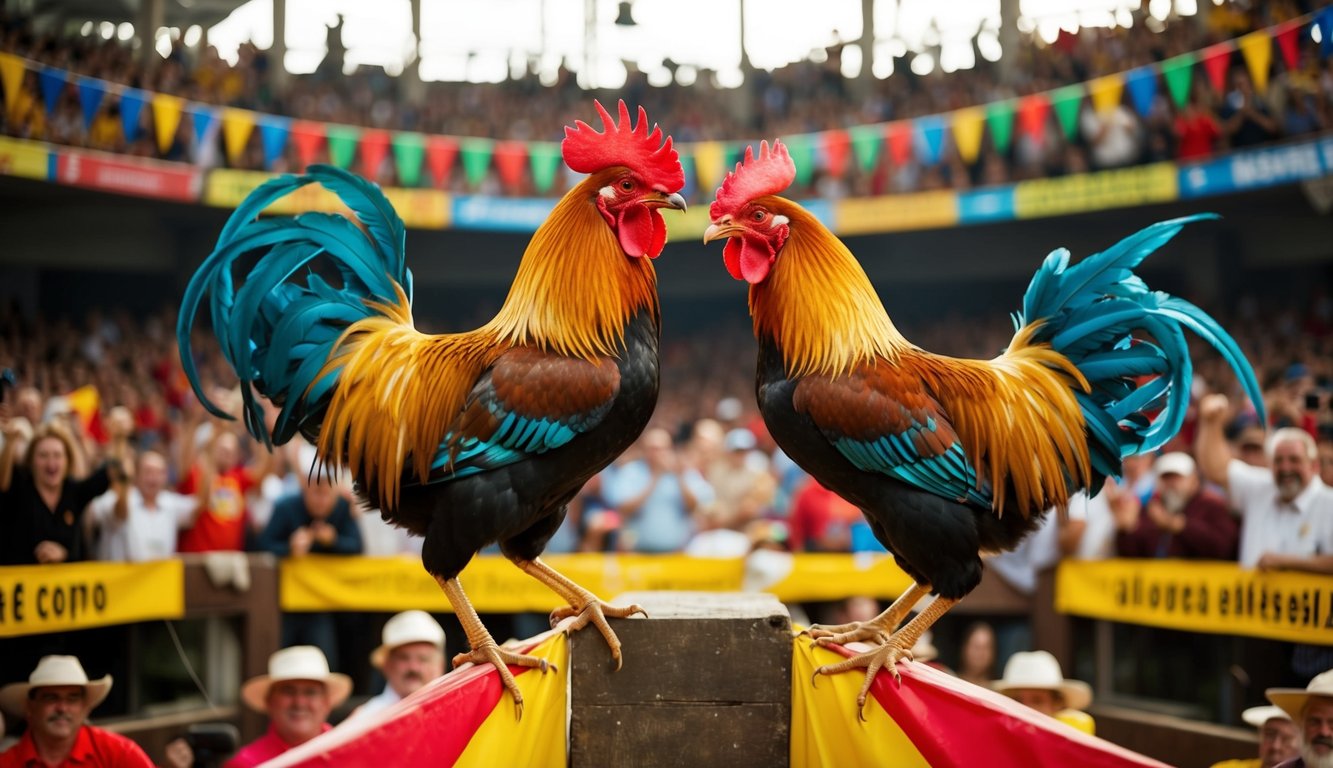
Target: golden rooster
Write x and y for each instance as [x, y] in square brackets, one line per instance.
[949, 458]
[468, 438]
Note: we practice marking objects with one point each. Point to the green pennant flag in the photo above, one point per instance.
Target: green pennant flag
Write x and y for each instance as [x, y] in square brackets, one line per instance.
[802, 151]
[866, 143]
[408, 151]
[1066, 102]
[476, 159]
[1000, 121]
[342, 141]
[544, 160]
[1178, 72]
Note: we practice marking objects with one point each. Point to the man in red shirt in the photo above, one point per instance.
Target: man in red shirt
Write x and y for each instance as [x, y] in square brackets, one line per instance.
[56, 701]
[297, 694]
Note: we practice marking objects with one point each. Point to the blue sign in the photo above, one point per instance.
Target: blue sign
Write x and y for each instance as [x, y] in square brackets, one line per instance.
[500, 214]
[821, 209]
[1257, 169]
[983, 205]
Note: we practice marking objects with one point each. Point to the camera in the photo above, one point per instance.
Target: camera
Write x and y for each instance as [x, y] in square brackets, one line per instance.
[212, 743]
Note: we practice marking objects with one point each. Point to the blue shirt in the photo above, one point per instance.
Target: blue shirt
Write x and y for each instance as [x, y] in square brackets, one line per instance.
[661, 523]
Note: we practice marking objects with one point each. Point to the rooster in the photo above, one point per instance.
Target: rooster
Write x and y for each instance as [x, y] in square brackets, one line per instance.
[470, 438]
[950, 458]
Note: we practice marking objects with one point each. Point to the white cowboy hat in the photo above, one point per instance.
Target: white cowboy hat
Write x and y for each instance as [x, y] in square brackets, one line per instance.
[1257, 716]
[53, 671]
[404, 629]
[1292, 700]
[1040, 670]
[300, 662]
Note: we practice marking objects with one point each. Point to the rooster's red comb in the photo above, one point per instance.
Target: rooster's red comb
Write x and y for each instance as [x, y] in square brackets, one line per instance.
[769, 174]
[622, 143]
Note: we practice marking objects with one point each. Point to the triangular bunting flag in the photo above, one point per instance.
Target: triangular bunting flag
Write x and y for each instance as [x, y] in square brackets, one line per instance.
[1142, 86]
[967, 125]
[1105, 92]
[237, 124]
[1000, 121]
[1066, 101]
[11, 79]
[476, 160]
[306, 137]
[710, 165]
[1257, 49]
[1177, 73]
[1033, 112]
[1288, 41]
[1324, 20]
[202, 118]
[866, 143]
[131, 107]
[1216, 62]
[687, 168]
[342, 144]
[802, 151]
[511, 160]
[837, 151]
[166, 119]
[544, 161]
[374, 148]
[90, 99]
[273, 133]
[900, 141]
[52, 82]
[929, 138]
[440, 154]
[409, 149]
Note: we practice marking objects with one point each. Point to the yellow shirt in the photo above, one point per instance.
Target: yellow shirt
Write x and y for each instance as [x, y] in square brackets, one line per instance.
[1080, 720]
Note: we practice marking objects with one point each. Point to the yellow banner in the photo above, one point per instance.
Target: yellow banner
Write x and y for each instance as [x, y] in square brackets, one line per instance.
[1257, 48]
[1220, 598]
[55, 598]
[419, 208]
[895, 213]
[24, 158]
[1127, 187]
[166, 119]
[689, 226]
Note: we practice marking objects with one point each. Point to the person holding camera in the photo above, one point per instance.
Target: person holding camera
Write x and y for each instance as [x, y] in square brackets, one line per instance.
[139, 517]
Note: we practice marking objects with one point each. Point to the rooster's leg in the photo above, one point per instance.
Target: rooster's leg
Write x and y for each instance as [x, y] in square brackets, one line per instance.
[877, 630]
[484, 648]
[898, 648]
[582, 603]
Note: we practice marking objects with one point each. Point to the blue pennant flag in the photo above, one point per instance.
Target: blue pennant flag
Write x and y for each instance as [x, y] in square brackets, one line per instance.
[273, 131]
[929, 139]
[1324, 20]
[53, 84]
[1142, 85]
[90, 98]
[131, 106]
[203, 118]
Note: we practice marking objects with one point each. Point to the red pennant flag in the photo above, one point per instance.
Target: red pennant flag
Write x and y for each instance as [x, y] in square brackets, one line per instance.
[374, 146]
[1032, 114]
[1287, 42]
[511, 160]
[838, 148]
[307, 137]
[900, 142]
[441, 151]
[1216, 62]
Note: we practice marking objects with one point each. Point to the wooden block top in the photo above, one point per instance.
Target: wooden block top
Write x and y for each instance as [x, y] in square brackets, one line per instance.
[693, 606]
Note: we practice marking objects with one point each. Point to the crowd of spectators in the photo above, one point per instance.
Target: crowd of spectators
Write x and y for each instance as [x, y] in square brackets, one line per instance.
[803, 97]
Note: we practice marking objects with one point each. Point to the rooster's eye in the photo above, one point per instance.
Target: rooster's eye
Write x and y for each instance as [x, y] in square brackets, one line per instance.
[627, 185]
[758, 215]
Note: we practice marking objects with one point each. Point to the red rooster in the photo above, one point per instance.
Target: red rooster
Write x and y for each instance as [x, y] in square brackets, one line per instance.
[466, 438]
[948, 458]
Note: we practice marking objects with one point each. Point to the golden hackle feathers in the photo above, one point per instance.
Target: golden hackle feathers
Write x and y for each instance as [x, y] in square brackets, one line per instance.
[400, 389]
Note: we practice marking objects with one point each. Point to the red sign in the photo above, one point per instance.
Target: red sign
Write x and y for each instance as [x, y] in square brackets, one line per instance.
[166, 181]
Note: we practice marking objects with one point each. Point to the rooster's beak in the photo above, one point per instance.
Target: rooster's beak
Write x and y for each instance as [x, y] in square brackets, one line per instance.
[720, 230]
[673, 200]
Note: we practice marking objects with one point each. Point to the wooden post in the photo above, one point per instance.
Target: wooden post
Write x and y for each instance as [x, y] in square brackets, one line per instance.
[714, 664]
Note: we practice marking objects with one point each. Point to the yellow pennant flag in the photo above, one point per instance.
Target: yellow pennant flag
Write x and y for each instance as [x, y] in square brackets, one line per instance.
[236, 127]
[166, 119]
[11, 79]
[967, 132]
[1105, 92]
[708, 161]
[1257, 48]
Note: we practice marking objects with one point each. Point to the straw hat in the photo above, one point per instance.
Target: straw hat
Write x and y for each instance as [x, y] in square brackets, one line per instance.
[1040, 670]
[1292, 700]
[52, 671]
[404, 629]
[1257, 716]
[300, 662]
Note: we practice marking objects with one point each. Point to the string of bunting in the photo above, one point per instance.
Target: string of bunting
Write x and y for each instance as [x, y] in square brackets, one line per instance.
[416, 155]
